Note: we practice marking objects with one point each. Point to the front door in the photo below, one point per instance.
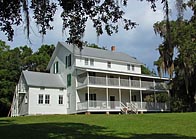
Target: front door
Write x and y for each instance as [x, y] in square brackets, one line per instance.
[112, 100]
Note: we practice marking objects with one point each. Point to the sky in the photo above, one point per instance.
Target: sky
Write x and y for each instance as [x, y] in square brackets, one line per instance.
[140, 42]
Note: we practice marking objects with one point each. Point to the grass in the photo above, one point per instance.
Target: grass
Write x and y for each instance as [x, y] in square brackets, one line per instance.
[146, 126]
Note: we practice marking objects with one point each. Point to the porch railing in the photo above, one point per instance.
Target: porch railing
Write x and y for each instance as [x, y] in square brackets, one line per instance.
[93, 80]
[116, 105]
[151, 106]
[98, 105]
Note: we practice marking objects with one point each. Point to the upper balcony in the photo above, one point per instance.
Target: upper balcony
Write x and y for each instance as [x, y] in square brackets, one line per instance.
[138, 83]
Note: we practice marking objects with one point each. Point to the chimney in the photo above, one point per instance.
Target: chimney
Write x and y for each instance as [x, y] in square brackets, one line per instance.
[113, 48]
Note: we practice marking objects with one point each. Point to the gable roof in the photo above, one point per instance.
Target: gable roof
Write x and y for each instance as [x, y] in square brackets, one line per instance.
[100, 53]
[38, 79]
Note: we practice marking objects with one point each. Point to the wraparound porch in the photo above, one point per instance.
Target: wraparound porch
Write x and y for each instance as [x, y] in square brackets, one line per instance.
[94, 99]
[117, 106]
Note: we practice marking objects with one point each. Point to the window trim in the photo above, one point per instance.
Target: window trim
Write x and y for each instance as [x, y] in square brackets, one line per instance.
[128, 67]
[69, 60]
[92, 62]
[133, 67]
[109, 64]
[68, 80]
[47, 99]
[85, 61]
[40, 99]
[60, 99]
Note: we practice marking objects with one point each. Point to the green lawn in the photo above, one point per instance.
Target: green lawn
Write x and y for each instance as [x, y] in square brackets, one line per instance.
[142, 126]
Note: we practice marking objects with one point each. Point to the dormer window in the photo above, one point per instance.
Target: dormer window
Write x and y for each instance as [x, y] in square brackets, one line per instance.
[92, 62]
[133, 67]
[128, 66]
[86, 61]
[109, 64]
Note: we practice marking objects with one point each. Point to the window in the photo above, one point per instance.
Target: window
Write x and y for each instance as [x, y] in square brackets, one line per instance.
[69, 60]
[68, 80]
[66, 61]
[109, 64]
[86, 61]
[133, 67]
[91, 96]
[92, 62]
[47, 99]
[60, 99]
[128, 66]
[40, 99]
[134, 98]
[56, 67]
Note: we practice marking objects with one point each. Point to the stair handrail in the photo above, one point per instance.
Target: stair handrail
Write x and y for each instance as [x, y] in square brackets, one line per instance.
[132, 107]
[124, 108]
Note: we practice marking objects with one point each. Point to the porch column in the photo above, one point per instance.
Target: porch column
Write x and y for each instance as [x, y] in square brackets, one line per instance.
[140, 91]
[106, 77]
[130, 98]
[88, 97]
[106, 90]
[141, 97]
[118, 80]
[87, 90]
[119, 91]
[106, 97]
[155, 99]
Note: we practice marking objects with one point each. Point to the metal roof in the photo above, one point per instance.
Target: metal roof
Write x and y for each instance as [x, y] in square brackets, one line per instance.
[39, 79]
[100, 53]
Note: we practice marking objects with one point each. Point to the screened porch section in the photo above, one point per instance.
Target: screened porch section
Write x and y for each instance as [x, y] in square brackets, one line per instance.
[101, 79]
[110, 99]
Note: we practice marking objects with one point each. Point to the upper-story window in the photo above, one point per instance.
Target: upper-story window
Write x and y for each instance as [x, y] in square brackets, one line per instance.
[92, 62]
[56, 67]
[68, 61]
[133, 67]
[109, 64]
[68, 80]
[128, 66]
[86, 61]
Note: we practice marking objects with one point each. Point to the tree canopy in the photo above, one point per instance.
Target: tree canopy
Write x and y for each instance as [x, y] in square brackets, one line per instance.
[12, 62]
[182, 36]
[104, 14]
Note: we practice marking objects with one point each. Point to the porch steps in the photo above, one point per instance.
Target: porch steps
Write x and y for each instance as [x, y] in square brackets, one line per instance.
[129, 109]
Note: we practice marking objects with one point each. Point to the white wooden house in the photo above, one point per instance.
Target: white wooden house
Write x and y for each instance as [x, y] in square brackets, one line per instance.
[87, 80]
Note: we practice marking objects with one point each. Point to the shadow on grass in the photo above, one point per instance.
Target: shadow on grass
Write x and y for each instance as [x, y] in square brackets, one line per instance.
[71, 131]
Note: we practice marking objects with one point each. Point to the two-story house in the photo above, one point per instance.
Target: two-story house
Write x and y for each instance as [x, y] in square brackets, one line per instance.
[86, 81]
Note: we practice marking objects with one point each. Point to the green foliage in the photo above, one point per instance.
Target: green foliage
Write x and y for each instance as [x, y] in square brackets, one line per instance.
[145, 70]
[144, 126]
[178, 105]
[104, 14]
[12, 62]
[182, 36]
[160, 97]
[94, 46]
